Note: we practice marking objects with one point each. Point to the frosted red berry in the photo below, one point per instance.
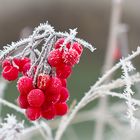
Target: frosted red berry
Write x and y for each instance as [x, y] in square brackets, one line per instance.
[48, 112]
[61, 109]
[20, 62]
[59, 42]
[52, 97]
[63, 71]
[46, 104]
[17, 61]
[24, 61]
[76, 46]
[71, 57]
[10, 73]
[26, 68]
[22, 101]
[64, 95]
[36, 98]
[55, 57]
[43, 81]
[33, 113]
[6, 63]
[63, 82]
[25, 85]
[54, 85]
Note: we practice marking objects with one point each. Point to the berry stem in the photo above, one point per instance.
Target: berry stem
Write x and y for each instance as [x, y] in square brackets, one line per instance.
[9, 49]
[43, 55]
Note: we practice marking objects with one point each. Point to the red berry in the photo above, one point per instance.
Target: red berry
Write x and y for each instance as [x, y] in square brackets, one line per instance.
[25, 85]
[36, 98]
[55, 57]
[24, 61]
[54, 85]
[6, 63]
[43, 81]
[117, 53]
[17, 61]
[76, 46]
[63, 71]
[22, 101]
[61, 109]
[52, 97]
[33, 113]
[10, 73]
[64, 82]
[59, 42]
[21, 62]
[46, 104]
[71, 57]
[64, 95]
[48, 112]
[26, 68]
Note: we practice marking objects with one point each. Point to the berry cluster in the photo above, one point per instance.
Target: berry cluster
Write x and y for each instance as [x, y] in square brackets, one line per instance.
[47, 98]
[11, 68]
[64, 58]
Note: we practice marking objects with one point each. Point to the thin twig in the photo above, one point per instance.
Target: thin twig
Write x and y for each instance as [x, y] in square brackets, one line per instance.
[83, 101]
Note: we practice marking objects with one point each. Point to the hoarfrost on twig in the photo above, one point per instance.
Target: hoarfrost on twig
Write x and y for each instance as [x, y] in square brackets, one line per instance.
[92, 93]
[11, 128]
[128, 67]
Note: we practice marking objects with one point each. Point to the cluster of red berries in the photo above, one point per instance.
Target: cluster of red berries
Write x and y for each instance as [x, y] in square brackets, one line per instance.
[48, 97]
[46, 100]
[12, 68]
[63, 59]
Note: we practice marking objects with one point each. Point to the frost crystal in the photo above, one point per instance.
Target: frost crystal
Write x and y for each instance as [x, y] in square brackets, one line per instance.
[128, 67]
[10, 129]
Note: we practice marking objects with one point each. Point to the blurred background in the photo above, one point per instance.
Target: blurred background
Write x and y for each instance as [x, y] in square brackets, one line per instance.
[92, 18]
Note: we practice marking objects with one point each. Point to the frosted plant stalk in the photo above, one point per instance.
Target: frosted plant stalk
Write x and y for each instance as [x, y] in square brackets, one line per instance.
[64, 124]
[128, 67]
[11, 128]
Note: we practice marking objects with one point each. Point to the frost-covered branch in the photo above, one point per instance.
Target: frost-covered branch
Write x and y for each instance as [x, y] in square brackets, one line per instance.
[40, 33]
[16, 108]
[127, 67]
[86, 99]
[11, 128]
[10, 105]
[117, 66]
[44, 35]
